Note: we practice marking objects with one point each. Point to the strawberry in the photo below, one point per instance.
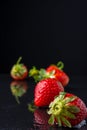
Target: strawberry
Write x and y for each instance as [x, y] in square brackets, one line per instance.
[52, 71]
[18, 89]
[46, 90]
[59, 74]
[67, 110]
[19, 71]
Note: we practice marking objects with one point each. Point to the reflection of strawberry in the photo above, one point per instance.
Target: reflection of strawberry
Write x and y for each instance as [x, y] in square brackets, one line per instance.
[67, 110]
[46, 90]
[86, 112]
[41, 116]
[52, 71]
[18, 89]
[40, 126]
[41, 119]
[19, 71]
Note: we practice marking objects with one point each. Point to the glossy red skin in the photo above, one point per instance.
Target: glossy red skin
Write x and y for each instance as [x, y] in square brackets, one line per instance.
[59, 74]
[45, 91]
[83, 110]
[25, 74]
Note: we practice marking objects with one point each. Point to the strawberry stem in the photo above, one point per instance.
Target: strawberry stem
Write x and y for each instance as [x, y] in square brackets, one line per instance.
[19, 59]
[60, 65]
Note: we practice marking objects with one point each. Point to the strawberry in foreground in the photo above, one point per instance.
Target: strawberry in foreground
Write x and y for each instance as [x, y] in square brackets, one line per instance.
[67, 110]
[19, 71]
[46, 90]
[52, 71]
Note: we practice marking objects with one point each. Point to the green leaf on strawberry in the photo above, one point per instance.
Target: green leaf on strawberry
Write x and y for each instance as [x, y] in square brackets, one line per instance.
[40, 74]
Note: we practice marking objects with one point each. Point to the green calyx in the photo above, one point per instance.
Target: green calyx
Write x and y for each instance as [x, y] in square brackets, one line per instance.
[60, 111]
[18, 69]
[31, 107]
[34, 71]
[40, 74]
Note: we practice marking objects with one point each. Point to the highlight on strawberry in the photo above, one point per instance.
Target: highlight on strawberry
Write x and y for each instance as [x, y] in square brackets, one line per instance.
[52, 71]
[67, 110]
[45, 91]
[19, 71]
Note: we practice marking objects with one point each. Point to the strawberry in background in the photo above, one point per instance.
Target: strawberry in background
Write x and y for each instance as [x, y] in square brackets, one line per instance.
[19, 71]
[18, 89]
[52, 71]
[59, 74]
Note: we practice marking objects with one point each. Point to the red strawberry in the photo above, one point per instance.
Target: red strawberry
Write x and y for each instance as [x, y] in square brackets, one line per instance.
[67, 110]
[53, 71]
[19, 71]
[59, 74]
[46, 90]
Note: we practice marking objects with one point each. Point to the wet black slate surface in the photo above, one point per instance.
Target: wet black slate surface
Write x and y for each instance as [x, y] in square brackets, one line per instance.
[16, 116]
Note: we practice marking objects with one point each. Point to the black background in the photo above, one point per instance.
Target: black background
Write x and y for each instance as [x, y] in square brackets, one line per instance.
[44, 32]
